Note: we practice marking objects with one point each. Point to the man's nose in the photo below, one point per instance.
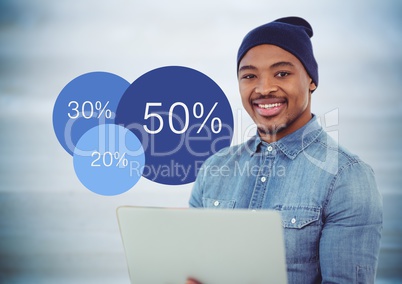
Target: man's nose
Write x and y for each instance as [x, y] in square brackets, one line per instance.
[266, 86]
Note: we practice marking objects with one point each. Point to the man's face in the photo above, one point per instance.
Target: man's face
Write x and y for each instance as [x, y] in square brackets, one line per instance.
[275, 90]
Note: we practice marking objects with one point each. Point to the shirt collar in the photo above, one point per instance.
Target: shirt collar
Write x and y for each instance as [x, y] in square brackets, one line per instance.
[294, 143]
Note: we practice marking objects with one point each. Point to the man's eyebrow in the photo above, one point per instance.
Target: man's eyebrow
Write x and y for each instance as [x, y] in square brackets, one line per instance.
[275, 65]
[247, 67]
[282, 64]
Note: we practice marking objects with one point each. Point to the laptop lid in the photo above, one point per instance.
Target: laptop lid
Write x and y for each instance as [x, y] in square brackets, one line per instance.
[213, 246]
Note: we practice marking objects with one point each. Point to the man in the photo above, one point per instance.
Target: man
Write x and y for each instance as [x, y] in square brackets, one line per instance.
[328, 198]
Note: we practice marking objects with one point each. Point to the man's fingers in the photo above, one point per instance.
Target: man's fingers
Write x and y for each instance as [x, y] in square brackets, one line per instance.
[192, 281]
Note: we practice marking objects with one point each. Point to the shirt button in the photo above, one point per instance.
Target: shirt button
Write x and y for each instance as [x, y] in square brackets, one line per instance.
[216, 203]
[270, 148]
[293, 220]
[263, 179]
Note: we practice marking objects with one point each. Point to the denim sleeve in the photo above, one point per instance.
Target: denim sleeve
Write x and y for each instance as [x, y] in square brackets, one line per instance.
[350, 240]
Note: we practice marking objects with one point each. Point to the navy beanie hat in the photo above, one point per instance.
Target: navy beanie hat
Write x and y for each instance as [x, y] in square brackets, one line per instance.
[292, 34]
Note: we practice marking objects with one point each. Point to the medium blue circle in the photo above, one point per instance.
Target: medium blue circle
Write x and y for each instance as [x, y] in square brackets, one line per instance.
[181, 116]
[88, 100]
[108, 159]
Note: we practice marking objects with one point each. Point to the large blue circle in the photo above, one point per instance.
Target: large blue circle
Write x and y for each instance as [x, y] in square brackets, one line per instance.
[181, 116]
[108, 159]
[88, 100]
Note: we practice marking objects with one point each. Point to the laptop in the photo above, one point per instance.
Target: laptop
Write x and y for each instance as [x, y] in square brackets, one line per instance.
[166, 246]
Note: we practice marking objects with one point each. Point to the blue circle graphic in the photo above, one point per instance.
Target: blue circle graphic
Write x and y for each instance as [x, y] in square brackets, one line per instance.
[181, 116]
[109, 159]
[88, 100]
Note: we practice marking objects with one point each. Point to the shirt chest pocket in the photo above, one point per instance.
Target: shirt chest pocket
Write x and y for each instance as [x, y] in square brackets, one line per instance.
[218, 203]
[302, 228]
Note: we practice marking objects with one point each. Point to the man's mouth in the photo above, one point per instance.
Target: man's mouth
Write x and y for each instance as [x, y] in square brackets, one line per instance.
[269, 107]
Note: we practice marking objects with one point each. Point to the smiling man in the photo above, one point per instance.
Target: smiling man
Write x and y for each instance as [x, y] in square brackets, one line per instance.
[328, 198]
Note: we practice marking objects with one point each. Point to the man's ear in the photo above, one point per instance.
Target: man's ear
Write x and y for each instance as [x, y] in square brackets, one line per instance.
[312, 86]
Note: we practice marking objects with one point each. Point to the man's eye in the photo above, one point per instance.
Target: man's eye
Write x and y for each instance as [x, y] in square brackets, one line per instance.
[248, 76]
[282, 74]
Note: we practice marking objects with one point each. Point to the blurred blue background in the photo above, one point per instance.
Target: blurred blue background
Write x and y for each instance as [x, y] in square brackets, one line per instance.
[53, 230]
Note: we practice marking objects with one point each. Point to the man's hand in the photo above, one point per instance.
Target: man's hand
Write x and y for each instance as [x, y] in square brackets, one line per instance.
[192, 281]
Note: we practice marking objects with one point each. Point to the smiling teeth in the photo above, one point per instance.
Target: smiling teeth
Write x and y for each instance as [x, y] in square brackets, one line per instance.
[269, 105]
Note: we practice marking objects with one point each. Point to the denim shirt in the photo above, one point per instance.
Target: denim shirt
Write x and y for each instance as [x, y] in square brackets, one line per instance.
[328, 199]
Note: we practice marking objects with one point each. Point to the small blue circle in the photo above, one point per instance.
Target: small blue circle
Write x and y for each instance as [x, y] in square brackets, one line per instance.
[88, 100]
[108, 159]
[181, 116]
